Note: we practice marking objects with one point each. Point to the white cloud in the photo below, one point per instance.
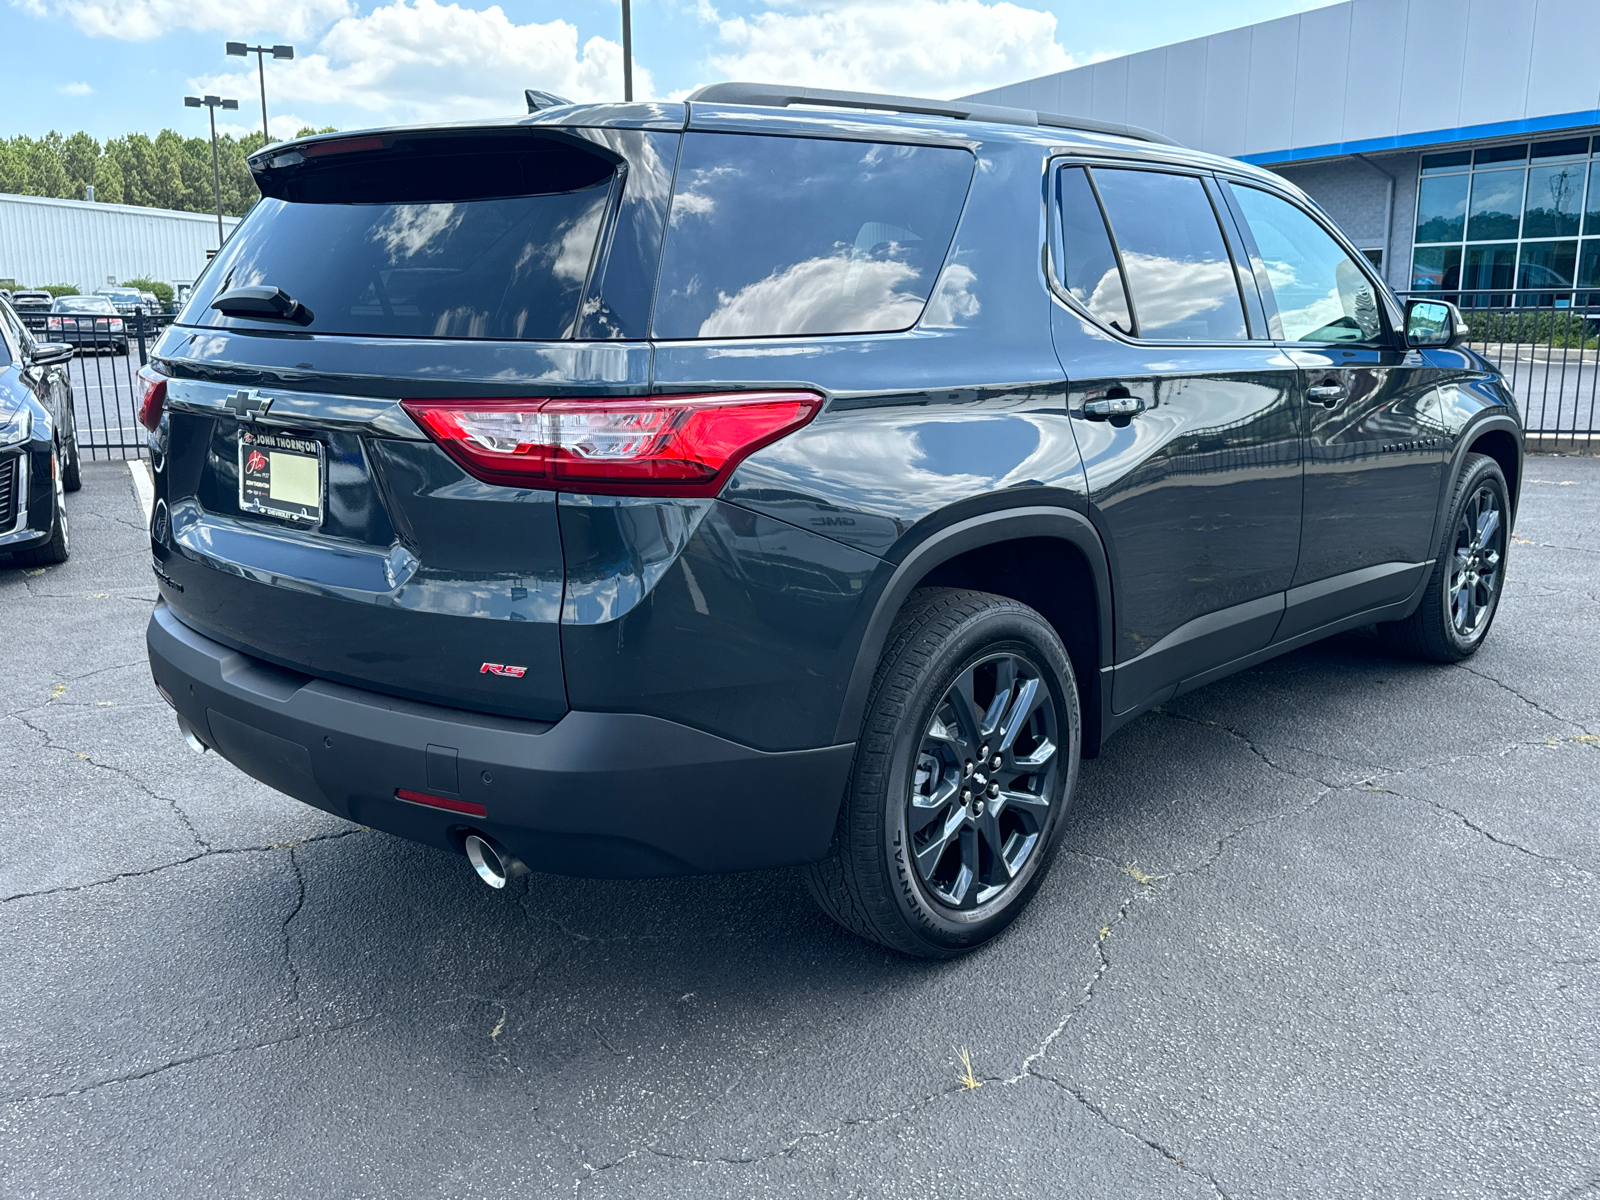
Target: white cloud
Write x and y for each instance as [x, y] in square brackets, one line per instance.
[75, 89]
[145, 20]
[921, 47]
[419, 60]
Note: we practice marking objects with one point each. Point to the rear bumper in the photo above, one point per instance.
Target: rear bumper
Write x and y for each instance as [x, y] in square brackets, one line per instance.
[597, 794]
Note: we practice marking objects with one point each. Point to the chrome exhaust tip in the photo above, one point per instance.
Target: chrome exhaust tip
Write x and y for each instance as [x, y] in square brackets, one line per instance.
[494, 864]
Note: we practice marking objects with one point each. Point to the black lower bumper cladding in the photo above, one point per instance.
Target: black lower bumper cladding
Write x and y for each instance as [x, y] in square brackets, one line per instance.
[593, 794]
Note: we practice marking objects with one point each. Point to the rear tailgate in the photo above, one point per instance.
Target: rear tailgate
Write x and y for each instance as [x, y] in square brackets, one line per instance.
[302, 516]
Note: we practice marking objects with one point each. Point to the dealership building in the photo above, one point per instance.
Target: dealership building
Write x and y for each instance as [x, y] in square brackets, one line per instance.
[1456, 141]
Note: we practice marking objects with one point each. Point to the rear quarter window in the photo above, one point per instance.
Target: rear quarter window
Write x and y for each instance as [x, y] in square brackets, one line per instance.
[780, 236]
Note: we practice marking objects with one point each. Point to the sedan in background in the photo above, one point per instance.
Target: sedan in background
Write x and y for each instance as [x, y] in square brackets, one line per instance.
[87, 322]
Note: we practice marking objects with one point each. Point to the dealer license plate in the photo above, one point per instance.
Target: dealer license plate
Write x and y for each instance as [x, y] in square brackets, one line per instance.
[281, 475]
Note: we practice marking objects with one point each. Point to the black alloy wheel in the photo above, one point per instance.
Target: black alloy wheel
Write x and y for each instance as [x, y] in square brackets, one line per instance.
[1468, 576]
[985, 775]
[967, 760]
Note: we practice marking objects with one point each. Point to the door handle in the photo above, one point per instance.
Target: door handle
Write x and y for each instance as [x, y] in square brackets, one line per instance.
[1327, 394]
[1105, 410]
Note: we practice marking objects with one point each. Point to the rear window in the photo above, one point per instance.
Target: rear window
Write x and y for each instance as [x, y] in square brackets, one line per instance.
[777, 236]
[422, 239]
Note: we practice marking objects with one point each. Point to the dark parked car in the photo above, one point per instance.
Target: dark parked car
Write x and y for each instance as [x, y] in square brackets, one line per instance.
[32, 301]
[87, 322]
[661, 488]
[38, 446]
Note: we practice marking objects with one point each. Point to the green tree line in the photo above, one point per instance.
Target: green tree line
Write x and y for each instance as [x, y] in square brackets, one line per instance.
[165, 171]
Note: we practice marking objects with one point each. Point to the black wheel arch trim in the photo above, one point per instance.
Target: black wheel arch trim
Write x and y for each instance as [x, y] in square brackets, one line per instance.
[1488, 422]
[956, 539]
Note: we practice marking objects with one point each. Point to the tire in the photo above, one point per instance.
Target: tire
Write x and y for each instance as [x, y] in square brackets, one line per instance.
[1468, 578]
[55, 550]
[888, 877]
[72, 461]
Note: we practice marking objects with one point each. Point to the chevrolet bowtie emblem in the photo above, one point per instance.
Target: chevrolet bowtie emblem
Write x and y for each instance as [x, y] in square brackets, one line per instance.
[248, 403]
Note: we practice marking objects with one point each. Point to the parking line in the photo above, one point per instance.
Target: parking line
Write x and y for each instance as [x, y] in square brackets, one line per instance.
[143, 486]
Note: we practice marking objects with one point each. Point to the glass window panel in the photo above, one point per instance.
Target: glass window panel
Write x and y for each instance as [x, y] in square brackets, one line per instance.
[1500, 154]
[1591, 218]
[1496, 205]
[1442, 209]
[1436, 268]
[1555, 196]
[1458, 160]
[1322, 294]
[1179, 271]
[1088, 264]
[1589, 264]
[780, 236]
[1565, 148]
[1487, 268]
[1546, 264]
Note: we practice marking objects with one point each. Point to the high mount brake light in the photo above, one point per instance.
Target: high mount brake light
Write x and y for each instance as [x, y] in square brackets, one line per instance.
[342, 146]
[152, 398]
[635, 445]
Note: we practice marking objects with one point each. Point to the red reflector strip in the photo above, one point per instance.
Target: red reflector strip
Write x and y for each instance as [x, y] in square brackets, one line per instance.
[460, 806]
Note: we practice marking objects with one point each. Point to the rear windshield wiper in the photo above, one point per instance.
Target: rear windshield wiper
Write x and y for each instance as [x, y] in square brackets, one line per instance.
[262, 304]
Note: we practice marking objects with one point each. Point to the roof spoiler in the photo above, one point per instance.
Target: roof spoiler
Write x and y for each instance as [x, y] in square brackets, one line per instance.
[771, 95]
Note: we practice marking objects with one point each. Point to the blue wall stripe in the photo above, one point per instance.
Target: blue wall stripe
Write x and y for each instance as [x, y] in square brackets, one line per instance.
[1435, 137]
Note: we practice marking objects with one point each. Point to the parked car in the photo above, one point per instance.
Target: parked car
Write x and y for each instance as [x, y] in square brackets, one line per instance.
[87, 321]
[32, 301]
[39, 459]
[773, 487]
[123, 299]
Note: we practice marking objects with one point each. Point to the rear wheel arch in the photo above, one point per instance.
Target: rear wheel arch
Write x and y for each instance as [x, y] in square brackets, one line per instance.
[1050, 559]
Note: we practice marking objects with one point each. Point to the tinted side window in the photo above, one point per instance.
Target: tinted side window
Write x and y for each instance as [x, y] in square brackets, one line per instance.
[1322, 295]
[1088, 263]
[1178, 267]
[776, 236]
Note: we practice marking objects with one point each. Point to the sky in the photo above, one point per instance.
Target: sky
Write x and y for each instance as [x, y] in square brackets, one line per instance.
[120, 66]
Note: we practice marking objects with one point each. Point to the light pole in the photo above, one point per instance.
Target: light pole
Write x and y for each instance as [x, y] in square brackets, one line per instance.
[627, 51]
[240, 50]
[211, 104]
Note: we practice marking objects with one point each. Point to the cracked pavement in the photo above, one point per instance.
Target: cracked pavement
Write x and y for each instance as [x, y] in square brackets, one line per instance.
[1328, 927]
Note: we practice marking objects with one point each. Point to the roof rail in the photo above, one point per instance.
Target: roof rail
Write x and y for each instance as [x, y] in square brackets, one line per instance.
[772, 95]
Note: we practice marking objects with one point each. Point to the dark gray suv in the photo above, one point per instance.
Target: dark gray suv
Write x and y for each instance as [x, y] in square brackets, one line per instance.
[649, 489]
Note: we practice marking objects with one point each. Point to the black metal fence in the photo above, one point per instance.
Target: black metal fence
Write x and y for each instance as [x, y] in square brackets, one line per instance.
[1547, 344]
[105, 373]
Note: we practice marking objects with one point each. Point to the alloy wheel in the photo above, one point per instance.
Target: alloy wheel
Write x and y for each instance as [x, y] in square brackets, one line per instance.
[986, 770]
[1475, 567]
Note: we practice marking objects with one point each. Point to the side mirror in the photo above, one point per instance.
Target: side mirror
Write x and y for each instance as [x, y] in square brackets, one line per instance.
[48, 354]
[1433, 324]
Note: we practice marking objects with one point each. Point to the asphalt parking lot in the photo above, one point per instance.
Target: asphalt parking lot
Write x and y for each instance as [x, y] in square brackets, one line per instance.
[1327, 928]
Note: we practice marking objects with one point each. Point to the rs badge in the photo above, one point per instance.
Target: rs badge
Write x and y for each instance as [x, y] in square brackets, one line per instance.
[502, 669]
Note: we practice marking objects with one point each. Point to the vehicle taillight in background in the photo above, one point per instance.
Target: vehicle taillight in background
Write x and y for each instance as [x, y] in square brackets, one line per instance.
[644, 445]
[152, 398]
[116, 325]
[54, 322]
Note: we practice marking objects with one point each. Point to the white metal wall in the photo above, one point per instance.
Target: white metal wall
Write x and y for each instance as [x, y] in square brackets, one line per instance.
[1362, 71]
[72, 241]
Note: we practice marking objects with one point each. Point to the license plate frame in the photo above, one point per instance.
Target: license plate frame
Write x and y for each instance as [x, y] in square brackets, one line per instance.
[282, 450]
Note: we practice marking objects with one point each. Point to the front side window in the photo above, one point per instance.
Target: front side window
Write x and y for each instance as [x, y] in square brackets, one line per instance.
[1322, 295]
[781, 236]
[1178, 268]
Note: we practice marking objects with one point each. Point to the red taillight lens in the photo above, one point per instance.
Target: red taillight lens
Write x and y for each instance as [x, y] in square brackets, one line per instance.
[54, 322]
[116, 325]
[152, 399]
[656, 445]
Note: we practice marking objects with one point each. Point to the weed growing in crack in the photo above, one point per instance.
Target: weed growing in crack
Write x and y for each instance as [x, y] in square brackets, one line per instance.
[1142, 878]
[964, 1076]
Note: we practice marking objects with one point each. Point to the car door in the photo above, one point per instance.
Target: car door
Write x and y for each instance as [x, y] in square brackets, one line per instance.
[1374, 443]
[1185, 415]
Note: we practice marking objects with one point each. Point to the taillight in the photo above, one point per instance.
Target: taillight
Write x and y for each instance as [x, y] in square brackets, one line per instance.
[656, 445]
[153, 397]
[54, 322]
[116, 326]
